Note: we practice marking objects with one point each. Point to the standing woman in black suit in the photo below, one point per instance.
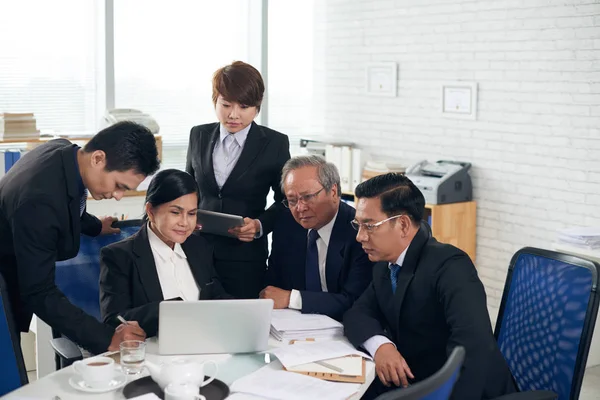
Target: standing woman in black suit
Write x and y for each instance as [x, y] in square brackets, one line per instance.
[235, 163]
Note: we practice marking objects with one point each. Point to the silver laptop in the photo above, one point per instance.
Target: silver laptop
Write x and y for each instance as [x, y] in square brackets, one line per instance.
[214, 326]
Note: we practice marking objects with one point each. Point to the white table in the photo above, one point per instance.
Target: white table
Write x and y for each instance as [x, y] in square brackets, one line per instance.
[231, 368]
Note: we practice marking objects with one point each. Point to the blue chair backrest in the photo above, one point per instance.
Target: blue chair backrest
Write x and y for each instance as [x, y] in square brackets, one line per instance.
[13, 374]
[546, 320]
[437, 387]
[78, 278]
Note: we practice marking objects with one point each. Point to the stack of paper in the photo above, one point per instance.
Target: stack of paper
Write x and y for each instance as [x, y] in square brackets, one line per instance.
[293, 325]
[588, 238]
[18, 126]
[270, 383]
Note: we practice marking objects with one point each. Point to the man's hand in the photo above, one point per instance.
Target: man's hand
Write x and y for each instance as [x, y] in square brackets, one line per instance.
[248, 231]
[131, 331]
[107, 229]
[391, 367]
[280, 297]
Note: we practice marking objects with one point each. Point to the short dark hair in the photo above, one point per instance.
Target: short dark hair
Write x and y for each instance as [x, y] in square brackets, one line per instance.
[128, 146]
[239, 82]
[168, 185]
[397, 194]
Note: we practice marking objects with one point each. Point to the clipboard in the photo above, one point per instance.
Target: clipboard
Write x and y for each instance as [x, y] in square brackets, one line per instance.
[334, 376]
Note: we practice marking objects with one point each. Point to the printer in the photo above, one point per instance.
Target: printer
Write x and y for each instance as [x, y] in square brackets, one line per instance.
[442, 182]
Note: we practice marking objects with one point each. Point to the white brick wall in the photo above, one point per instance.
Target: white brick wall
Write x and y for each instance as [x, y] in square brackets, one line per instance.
[535, 146]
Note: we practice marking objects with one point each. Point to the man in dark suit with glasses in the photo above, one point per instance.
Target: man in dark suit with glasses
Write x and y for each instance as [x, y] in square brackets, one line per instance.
[316, 265]
[425, 298]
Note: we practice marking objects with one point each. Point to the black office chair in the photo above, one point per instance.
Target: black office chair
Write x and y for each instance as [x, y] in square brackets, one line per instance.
[546, 320]
[13, 374]
[78, 279]
[437, 387]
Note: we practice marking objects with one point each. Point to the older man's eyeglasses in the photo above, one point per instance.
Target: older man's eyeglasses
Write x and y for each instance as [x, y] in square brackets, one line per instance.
[305, 199]
[371, 227]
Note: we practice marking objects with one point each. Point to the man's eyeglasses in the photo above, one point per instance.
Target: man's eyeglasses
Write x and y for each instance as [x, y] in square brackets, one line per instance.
[371, 227]
[305, 199]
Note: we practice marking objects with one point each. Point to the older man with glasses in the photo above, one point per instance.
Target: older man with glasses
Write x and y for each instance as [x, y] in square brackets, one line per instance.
[316, 265]
[425, 298]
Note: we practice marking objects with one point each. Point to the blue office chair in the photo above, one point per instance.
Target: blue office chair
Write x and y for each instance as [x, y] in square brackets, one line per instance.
[437, 387]
[78, 279]
[13, 373]
[546, 320]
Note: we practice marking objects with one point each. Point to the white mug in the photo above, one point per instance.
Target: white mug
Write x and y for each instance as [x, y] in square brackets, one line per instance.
[97, 372]
[183, 391]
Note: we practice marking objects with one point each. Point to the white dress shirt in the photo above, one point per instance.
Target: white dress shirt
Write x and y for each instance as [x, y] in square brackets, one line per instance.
[322, 245]
[227, 152]
[373, 343]
[173, 269]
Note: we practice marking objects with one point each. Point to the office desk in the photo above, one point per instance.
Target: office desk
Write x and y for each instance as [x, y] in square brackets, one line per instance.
[231, 368]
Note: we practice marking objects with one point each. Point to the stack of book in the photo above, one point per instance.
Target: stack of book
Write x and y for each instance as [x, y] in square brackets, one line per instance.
[289, 325]
[18, 126]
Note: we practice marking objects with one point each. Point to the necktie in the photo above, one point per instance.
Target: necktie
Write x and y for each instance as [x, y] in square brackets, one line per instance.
[394, 269]
[82, 202]
[313, 278]
[229, 148]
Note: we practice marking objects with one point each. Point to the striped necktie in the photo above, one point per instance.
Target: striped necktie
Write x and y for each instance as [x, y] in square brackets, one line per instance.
[394, 270]
[82, 202]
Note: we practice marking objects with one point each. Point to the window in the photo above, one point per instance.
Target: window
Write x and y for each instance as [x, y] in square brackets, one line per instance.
[290, 86]
[48, 62]
[165, 57]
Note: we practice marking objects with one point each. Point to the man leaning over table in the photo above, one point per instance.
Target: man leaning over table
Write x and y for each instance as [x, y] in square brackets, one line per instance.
[43, 212]
[425, 299]
[315, 265]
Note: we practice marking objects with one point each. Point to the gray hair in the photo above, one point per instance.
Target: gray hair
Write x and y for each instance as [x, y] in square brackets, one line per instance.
[327, 172]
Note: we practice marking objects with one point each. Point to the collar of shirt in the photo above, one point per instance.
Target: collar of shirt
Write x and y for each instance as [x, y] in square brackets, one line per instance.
[400, 259]
[240, 136]
[161, 248]
[325, 231]
[79, 179]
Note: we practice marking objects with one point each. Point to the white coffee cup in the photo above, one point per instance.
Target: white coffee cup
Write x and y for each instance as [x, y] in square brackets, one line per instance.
[183, 391]
[97, 372]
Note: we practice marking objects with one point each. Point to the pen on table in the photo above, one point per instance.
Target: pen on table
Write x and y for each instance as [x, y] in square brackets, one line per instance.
[330, 366]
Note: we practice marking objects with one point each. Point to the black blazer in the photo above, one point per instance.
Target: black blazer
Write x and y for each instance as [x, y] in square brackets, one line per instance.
[129, 284]
[245, 191]
[347, 267]
[39, 225]
[439, 304]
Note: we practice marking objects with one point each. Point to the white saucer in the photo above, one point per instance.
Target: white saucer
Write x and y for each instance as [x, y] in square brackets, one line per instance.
[119, 380]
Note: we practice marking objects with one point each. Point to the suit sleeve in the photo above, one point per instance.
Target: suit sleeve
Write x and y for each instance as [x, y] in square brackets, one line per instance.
[357, 280]
[267, 219]
[190, 154]
[90, 225]
[36, 231]
[363, 320]
[116, 297]
[463, 299]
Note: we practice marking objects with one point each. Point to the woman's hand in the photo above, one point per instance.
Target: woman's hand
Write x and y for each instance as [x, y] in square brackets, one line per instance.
[248, 231]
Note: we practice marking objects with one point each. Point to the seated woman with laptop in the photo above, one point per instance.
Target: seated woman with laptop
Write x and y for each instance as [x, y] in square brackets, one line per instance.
[163, 261]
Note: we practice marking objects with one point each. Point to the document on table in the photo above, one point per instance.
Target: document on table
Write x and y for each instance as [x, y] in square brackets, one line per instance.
[307, 352]
[274, 384]
[350, 366]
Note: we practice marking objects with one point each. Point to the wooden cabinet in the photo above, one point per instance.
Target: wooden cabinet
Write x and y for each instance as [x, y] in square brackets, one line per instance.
[454, 224]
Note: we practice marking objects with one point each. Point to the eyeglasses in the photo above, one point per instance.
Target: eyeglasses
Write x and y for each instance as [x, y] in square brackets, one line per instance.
[371, 227]
[305, 199]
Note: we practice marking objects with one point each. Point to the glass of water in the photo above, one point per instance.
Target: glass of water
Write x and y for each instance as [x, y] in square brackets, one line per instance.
[133, 354]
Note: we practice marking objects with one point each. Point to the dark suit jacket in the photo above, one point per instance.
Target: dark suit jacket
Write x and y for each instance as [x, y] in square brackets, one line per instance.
[39, 225]
[439, 304]
[129, 284]
[245, 191]
[347, 268]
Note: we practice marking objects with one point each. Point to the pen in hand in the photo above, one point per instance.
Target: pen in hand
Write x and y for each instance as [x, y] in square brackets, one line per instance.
[122, 320]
